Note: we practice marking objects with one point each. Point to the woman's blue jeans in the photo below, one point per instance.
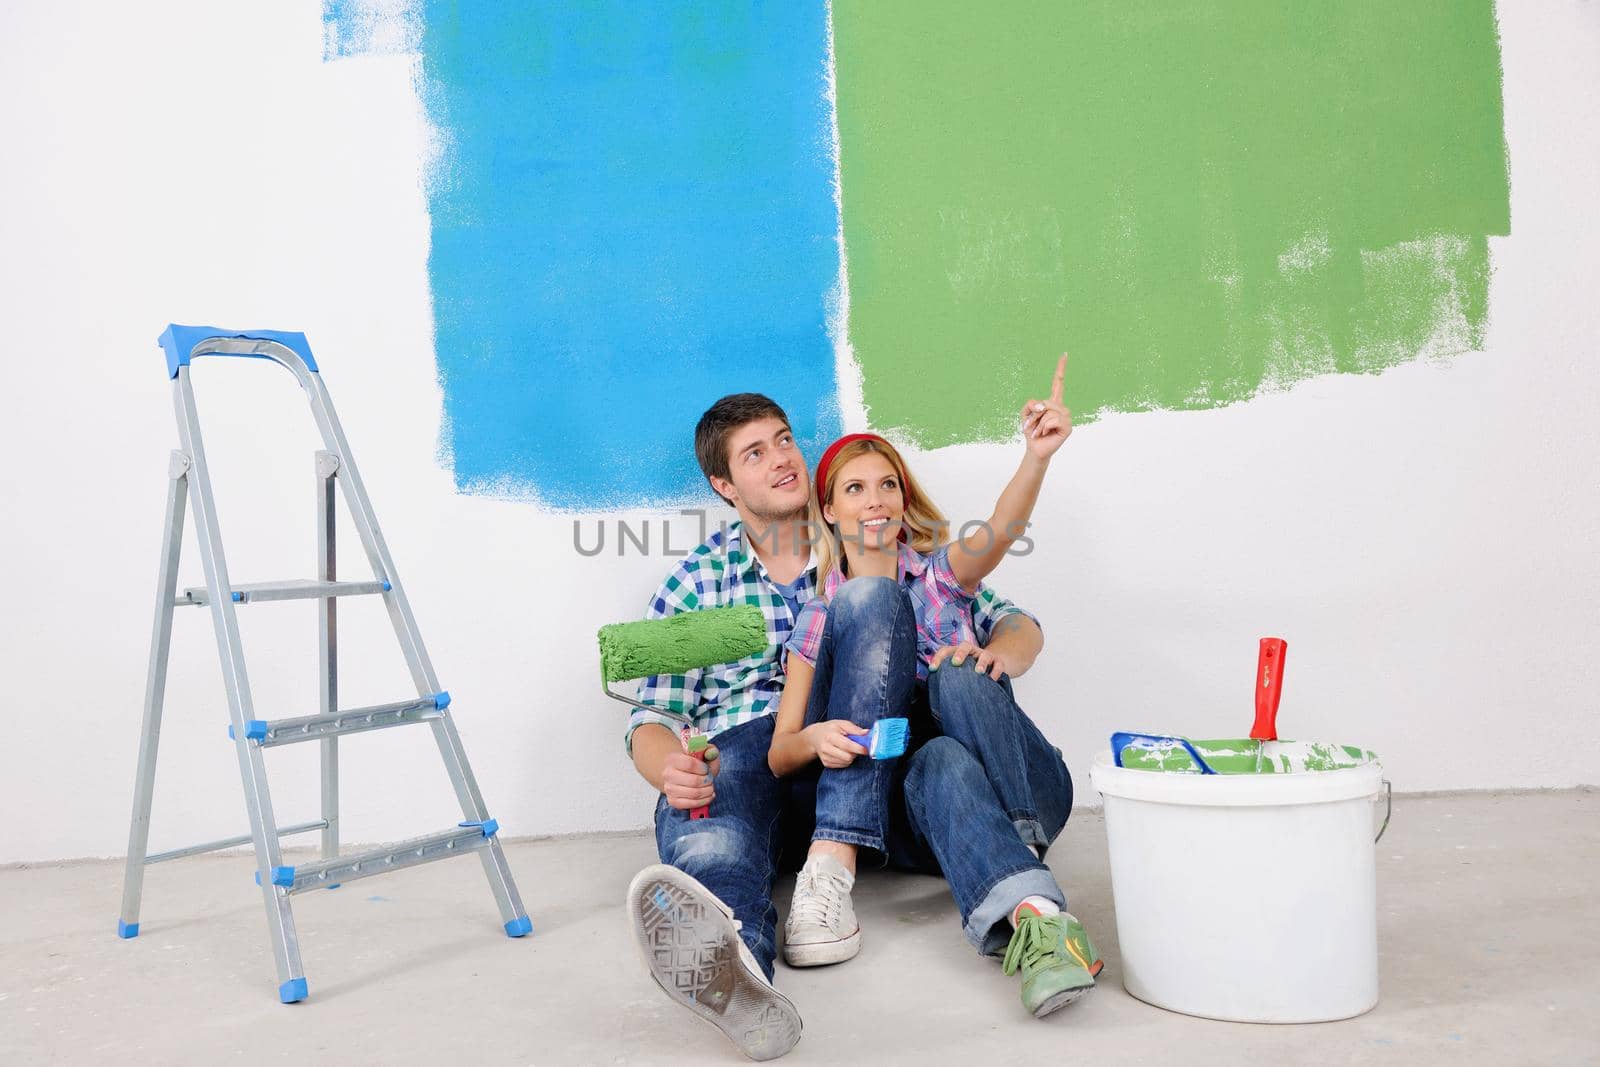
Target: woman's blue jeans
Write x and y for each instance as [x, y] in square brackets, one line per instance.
[978, 784]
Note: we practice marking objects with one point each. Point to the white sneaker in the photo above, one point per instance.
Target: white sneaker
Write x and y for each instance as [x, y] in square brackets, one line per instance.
[822, 925]
[691, 944]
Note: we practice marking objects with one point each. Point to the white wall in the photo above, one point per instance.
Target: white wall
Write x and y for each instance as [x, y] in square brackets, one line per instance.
[1425, 539]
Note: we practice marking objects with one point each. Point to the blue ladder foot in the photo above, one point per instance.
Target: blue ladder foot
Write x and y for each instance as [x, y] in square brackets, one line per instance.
[521, 926]
[336, 885]
[127, 929]
[292, 990]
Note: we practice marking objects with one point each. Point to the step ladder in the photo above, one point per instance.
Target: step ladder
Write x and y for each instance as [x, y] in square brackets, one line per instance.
[189, 482]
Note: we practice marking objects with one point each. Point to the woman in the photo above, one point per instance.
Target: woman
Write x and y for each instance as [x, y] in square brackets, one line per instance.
[848, 665]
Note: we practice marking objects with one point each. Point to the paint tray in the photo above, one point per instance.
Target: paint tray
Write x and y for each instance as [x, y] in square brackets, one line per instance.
[1232, 755]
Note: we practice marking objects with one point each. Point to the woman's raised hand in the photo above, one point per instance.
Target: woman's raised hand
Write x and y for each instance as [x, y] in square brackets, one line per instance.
[831, 742]
[1046, 424]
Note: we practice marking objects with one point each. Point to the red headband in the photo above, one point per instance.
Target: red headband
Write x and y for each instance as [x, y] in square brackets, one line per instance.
[827, 461]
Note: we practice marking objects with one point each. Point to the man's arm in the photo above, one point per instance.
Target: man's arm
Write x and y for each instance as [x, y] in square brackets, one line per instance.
[660, 760]
[1005, 633]
[1016, 641]
[652, 739]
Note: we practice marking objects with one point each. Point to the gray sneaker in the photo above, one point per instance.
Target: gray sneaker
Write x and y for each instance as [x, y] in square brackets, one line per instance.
[822, 925]
[691, 944]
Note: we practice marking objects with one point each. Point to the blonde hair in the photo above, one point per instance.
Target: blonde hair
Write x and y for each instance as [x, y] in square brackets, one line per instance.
[925, 525]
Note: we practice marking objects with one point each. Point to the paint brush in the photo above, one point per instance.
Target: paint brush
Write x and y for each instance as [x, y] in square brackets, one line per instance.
[886, 740]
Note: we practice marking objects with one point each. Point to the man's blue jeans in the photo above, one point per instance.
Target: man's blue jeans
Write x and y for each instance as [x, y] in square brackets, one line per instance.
[734, 850]
[977, 786]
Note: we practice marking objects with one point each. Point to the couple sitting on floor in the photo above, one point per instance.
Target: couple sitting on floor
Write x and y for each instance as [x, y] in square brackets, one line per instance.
[872, 612]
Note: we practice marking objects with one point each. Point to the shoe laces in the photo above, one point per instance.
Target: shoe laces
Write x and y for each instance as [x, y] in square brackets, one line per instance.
[1038, 940]
[819, 897]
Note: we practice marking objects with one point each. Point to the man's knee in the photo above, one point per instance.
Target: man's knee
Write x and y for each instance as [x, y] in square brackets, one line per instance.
[713, 845]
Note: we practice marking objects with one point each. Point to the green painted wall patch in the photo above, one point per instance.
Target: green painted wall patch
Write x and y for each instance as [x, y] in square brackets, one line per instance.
[1199, 200]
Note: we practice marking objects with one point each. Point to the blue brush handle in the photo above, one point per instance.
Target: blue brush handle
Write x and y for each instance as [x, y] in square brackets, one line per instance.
[1122, 739]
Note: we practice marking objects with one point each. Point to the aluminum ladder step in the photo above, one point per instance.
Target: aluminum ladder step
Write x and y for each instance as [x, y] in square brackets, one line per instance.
[463, 839]
[230, 842]
[354, 721]
[293, 589]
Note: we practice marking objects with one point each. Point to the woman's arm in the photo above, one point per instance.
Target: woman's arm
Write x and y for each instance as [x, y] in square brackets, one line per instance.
[795, 745]
[791, 750]
[975, 556]
[1046, 425]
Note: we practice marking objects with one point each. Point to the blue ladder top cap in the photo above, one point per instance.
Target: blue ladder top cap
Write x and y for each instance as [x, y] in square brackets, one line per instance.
[255, 730]
[521, 926]
[490, 827]
[293, 990]
[441, 699]
[179, 341]
[127, 929]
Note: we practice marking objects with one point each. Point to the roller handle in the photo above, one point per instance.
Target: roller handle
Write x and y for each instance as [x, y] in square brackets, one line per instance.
[1269, 688]
[696, 746]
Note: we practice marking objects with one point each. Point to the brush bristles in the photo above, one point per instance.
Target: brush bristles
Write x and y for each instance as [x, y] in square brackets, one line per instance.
[889, 737]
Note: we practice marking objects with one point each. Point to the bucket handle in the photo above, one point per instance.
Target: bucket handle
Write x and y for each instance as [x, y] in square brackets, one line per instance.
[1388, 809]
[1122, 739]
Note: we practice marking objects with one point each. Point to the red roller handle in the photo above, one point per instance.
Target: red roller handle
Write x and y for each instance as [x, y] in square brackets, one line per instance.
[1269, 688]
[695, 746]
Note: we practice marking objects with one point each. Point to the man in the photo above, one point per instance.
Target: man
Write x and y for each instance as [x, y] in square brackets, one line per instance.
[704, 916]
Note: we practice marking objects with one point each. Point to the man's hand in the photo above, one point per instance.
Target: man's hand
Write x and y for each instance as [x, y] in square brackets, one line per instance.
[830, 741]
[990, 661]
[687, 782]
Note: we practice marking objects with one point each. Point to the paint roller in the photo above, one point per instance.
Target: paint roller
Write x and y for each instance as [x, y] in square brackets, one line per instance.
[678, 644]
[1263, 752]
[1229, 755]
[1269, 689]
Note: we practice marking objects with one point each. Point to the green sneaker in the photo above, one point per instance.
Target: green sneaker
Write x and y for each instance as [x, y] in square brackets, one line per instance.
[1058, 962]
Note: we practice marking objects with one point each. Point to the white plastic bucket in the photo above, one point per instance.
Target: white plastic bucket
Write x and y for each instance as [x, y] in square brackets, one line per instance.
[1250, 898]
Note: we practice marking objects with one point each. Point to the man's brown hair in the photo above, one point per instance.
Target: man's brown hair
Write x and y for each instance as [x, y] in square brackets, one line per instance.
[719, 423]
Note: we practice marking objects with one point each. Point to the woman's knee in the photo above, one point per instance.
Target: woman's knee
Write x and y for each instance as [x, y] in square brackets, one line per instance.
[870, 595]
[955, 691]
[941, 764]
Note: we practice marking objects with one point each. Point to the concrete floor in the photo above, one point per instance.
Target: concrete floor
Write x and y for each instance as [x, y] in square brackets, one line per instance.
[1489, 927]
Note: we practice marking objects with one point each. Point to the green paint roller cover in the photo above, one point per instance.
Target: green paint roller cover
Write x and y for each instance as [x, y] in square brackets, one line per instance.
[681, 642]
